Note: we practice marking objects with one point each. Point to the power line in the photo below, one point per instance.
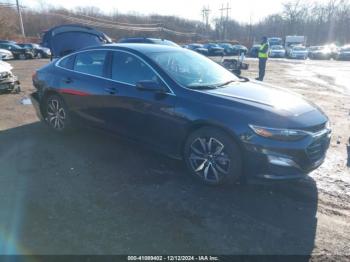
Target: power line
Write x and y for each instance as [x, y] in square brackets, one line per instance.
[121, 27]
[224, 24]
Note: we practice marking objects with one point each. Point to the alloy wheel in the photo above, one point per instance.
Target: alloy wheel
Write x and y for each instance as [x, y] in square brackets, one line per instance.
[56, 114]
[208, 159]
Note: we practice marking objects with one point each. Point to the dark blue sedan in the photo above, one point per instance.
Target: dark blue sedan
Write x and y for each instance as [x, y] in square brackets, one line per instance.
[186, 106]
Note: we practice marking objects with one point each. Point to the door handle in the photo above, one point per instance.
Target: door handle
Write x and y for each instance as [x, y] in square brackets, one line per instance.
[68, 80]
[111, 90]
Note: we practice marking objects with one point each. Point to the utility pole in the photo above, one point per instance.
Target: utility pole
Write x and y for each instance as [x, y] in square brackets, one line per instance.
[20, 19]
[205, 16]
[224, 24]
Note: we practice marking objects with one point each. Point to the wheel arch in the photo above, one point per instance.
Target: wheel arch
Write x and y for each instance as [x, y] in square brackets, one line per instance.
[201, 124]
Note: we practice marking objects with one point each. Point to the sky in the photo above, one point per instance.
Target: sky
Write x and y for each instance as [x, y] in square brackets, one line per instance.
[241, 10]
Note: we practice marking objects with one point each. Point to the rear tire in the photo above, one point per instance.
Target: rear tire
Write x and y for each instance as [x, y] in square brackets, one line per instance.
[213, 156]
[56, 114]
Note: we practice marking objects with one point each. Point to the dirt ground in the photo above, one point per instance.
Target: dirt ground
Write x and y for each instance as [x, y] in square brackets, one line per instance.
[90, 193]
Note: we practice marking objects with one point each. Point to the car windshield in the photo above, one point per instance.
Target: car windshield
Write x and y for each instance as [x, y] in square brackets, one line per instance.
[299, 49]
[192, 70]
[276, 47]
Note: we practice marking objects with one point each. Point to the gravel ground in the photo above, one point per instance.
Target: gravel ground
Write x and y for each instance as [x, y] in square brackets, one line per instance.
[90, 193]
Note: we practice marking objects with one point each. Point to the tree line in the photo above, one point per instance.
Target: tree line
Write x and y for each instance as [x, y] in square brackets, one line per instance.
[321, 23]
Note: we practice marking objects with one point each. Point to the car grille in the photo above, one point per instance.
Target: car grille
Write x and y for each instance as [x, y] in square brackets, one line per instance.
[317, 149]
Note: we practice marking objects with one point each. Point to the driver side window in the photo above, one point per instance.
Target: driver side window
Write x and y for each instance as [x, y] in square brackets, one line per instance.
[129, 69]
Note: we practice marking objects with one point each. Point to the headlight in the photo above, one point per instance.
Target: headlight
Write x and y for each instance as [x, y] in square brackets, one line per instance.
[279, 134]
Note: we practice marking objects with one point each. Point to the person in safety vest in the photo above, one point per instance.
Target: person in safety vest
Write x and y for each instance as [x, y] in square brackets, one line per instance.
[263, 56]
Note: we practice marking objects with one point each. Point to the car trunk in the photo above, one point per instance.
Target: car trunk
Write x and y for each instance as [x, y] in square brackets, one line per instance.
[65, 39]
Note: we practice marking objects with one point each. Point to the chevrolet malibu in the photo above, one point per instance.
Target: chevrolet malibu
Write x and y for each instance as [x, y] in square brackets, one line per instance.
[184, 105]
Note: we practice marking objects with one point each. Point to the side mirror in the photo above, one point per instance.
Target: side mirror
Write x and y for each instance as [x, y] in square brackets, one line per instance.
[149, 85]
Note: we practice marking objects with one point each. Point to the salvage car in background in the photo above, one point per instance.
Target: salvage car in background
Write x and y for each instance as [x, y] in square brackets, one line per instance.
[8, 81]
[298, 52]
[38, 51]
[214, 49]
[199, 48]
[344, 53]
[5, 54]
[320, 52]
[254, 51]
[277, 51]
[178, 102]
[17, 51]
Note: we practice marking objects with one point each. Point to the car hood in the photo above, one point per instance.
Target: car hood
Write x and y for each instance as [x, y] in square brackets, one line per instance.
[4, 51]
[5, 67]
[65, 39]
[277, 99]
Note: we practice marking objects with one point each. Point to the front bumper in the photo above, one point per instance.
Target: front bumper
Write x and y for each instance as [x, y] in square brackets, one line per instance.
[279, 160]
[9, 83]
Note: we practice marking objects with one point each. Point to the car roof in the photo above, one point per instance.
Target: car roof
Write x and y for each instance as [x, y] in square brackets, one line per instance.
[139, 47]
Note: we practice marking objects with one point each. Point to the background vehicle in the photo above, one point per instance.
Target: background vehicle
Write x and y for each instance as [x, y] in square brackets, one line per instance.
[320, 52]
[5, 54]
[39, 51]
[145, 40]
[228, 48]
[254, 51]
[298, 52]
[178, 101]
[8, 81]
[277, 51]
[275, 41]
[199, 48]
[17, 51]
[344, 53]
[292, 41]
[214, 49]
[7, 42]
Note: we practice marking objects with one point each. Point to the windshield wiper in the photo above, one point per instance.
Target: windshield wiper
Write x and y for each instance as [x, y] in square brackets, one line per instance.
[227, 83]
[203, 87]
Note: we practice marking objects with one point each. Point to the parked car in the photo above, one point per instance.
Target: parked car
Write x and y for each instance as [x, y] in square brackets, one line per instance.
[199, 48]
[5, 54]
[277, 51]
[344, 53]
[17, 51]
[228, 48]
[7, 42]
[239, 49]
[298, 52]
[184, 105]
[214, 49]
[320, 52]
[8, 81]
[254, 51]
[146, 40]
[39, 51]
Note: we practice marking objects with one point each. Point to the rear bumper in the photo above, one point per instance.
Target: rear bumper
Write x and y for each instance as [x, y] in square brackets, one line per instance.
[34, 97]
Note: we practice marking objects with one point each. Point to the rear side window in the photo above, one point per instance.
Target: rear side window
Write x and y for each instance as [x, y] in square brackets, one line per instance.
[67, 62]
[91, 62]
[129, 69]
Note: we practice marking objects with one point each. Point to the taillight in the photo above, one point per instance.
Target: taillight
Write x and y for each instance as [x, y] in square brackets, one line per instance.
[34, 76]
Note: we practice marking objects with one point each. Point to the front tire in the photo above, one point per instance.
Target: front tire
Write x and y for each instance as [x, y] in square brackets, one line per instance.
[212, 156]
[56, 114]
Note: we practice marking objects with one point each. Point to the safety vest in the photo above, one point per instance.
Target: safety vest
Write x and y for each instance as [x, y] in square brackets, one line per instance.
[261, 53]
